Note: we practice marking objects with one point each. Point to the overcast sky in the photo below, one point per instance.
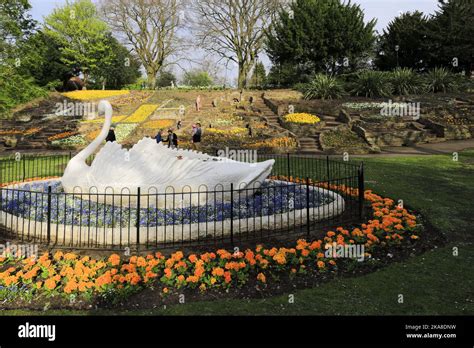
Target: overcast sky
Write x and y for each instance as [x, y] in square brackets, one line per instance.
[383, 10]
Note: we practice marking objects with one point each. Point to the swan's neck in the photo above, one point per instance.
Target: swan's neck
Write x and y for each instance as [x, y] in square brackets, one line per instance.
[92, 147]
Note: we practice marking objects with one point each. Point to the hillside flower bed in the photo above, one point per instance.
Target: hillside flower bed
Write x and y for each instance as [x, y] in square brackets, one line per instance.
[134, 97]
[141, 114]
[70, 275]
[115, 119]
[158, 124]
[123, 130]
[62, 135]
[73, 141]
[302, 118]
[372, 105]
[231, 131]
[277, 144]
[29, 131]
[91, 94]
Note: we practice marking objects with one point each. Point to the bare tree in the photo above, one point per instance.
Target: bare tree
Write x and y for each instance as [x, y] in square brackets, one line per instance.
[149, 27]
[234, 29]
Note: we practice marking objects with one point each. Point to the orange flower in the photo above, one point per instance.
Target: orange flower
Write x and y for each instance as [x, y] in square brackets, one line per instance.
[114, 260]
[193, 258]
[227, 277]
[50, 284]
[217, 271]
[141, 262]
[192, 279]
[280, 258]
[261, 277]
[168, 273]
[320, 264]
[70, 286]
[58, 255]
[70, 256]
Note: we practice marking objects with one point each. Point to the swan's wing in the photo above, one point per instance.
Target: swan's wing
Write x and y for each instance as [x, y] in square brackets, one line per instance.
[152, 164]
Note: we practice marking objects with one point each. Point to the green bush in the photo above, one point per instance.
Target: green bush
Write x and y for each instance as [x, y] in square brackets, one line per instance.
[16, 89]
[440, 80]
[300, 87]
[372, 84]
[405, 81]
[323, 87]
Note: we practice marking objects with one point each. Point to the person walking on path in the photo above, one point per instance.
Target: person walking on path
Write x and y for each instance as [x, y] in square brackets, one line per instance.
[198, 103]
[159, 137]
[197, 134]
[172, 139]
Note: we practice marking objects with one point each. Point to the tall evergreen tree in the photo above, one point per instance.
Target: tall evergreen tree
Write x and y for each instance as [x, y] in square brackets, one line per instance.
[408, 33]
[451, 33]
[320, 36]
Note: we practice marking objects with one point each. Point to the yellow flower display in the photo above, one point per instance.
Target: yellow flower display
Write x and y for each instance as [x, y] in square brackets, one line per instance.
[141, 114]
[91, 95]
[232, 131]
[115, 119]
[158, 124]
[302, 118]
[285, 142]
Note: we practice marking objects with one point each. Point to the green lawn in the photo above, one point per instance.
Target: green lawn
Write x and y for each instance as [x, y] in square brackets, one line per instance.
[436, 282]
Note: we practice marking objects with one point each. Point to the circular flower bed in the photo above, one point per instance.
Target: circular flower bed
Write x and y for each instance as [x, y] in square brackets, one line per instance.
[70, 275]
[29, 200]
[302, 118]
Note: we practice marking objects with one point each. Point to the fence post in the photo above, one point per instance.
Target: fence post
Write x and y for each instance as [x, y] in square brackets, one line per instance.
[361, 190]
[48, 217]
[138, 217]
[327, 168]
[24, 167]
[288, 164]
[307, 206]
[232, 214]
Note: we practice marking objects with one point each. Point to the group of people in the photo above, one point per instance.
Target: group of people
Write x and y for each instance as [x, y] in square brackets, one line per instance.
[172, 139]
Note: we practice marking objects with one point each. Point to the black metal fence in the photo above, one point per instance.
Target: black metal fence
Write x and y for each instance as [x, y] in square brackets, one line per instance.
[136, 218]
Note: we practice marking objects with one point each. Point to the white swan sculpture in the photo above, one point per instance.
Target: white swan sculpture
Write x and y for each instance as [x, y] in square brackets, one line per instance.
[155, 168]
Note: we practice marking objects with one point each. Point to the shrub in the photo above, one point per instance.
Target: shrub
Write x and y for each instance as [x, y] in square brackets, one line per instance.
[372, 84]
[16, 89]
[440, 80]
[323, 87]
[301, 87]
[405, 81]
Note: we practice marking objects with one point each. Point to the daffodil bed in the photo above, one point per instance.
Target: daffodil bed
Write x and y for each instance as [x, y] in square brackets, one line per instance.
[94, 94]
[302, 118]
[70, 276]
[29, 201]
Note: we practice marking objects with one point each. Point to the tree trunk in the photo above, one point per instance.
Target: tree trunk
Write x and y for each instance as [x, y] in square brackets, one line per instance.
[243, 71]
[151, 78]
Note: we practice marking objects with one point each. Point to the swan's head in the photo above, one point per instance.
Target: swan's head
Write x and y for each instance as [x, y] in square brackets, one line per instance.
[105, 108]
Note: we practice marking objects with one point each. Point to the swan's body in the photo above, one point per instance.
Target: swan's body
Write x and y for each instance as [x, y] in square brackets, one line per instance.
[155, 168]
